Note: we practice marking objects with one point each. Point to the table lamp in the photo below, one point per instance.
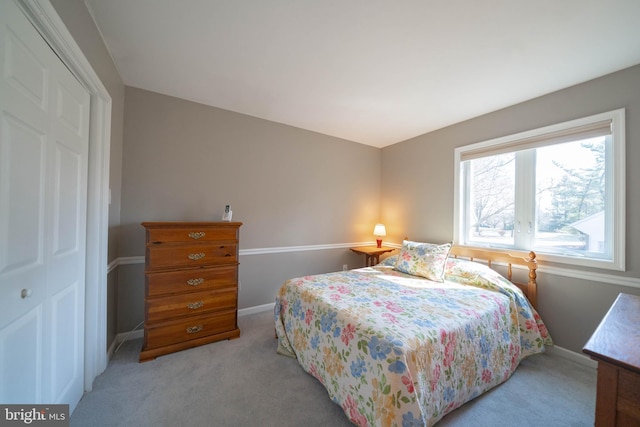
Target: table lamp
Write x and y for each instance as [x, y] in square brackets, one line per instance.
[379, 231]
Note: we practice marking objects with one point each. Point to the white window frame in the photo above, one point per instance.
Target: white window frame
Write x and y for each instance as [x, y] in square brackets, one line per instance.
[617, 185]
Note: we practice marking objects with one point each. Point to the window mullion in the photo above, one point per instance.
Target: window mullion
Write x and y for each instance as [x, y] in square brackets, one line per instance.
[466, 201]
[525, 199]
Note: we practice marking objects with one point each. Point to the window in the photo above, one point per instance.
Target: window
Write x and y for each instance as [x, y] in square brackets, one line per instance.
[558, 190]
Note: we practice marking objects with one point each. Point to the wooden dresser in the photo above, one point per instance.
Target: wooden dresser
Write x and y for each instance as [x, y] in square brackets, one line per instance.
[191, 285]
[615, 345]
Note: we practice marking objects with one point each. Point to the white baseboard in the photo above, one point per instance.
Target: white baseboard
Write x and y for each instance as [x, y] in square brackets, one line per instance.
[256, 309]
[572, 355]
[121, 337]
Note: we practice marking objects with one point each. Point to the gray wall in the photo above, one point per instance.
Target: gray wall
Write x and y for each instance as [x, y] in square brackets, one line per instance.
[185, 161]
[417, 192]
[80, 24]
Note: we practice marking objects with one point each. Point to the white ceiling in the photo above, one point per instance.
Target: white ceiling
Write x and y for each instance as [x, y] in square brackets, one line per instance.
[371, 71]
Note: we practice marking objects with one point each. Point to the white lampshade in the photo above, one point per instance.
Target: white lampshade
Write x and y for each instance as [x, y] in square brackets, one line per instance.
[379, 230]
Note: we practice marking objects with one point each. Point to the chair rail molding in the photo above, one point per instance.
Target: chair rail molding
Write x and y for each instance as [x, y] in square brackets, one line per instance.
[612, 279]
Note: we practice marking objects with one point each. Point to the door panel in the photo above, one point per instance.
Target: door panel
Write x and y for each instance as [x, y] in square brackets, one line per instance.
[22, 154]
[70, 107]
[67, 170]
[44, 128]
[21, 372]
[25, 72]
[65, 351]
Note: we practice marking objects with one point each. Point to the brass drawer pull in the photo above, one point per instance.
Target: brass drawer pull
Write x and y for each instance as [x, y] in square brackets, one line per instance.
[195, 305]
[195, 235]
[194, 329]
[196, 256]
[195, 282]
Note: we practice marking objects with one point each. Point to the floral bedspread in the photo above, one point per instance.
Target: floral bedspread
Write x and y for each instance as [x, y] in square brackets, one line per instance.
[398, 350]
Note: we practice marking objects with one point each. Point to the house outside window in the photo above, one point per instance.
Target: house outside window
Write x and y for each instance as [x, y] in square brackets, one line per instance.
[557, 190]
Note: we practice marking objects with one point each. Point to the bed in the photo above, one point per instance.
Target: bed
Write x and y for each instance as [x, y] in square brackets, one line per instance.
[407, 341]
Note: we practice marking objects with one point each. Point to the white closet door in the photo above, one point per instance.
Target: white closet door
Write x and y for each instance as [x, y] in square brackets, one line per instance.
[44, 125]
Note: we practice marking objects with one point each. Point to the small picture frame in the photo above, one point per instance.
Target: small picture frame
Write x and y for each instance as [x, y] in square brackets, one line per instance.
[226, 216]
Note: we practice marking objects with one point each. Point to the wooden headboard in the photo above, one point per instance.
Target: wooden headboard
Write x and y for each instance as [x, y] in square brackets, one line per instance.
[530, 288]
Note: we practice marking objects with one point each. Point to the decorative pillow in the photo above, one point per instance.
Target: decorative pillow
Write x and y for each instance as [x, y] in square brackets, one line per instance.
[423, 259]
[389, 261]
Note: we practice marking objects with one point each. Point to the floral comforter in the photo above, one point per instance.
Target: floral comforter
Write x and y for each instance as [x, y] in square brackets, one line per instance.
[398, 350]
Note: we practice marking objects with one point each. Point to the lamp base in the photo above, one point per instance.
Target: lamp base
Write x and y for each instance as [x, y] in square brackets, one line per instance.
[379, 242]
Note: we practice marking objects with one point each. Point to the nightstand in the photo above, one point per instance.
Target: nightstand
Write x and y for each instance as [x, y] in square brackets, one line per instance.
[372, 253]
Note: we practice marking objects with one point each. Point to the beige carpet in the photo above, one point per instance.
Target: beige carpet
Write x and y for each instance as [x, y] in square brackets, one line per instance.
[244, 382]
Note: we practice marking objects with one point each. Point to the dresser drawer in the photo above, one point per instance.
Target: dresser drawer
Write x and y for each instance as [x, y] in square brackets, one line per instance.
[190, 328]
[174, 306]
[192, 234]
[171, 255]
[191, 280]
